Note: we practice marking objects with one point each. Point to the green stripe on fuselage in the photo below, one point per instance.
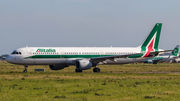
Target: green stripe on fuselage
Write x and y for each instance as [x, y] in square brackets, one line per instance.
[136, 56]
[64, 56]
[156, 58]
[75, 56]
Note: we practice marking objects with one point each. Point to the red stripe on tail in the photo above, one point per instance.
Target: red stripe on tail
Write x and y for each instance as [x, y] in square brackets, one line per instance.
[150, 48]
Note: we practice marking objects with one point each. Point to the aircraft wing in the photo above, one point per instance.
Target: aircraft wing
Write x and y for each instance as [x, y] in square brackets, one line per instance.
[155, 53]
[100, 59]
[103, 58]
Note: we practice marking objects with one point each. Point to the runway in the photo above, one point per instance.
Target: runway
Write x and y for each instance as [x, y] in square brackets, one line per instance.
[176, 72]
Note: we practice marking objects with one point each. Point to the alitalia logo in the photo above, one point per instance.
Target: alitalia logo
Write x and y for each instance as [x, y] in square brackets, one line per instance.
[150, 46]
[46, 50]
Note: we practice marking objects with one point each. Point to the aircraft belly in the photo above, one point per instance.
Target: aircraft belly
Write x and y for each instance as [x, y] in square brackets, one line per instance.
[44, 61]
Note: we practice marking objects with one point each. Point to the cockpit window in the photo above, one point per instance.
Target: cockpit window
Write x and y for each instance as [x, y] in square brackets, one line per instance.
[15, 52]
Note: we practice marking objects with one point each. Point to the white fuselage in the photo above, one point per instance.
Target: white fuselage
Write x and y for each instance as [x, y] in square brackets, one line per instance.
[68, 55]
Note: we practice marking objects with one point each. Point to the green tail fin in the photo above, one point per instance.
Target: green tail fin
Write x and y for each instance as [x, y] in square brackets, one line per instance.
[152, 41]
[176, 51]
[154, 34]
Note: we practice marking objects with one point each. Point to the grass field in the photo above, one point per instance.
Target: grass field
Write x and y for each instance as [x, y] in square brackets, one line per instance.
[135, 82]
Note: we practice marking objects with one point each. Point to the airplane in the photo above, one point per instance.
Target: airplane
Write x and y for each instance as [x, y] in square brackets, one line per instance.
[167, 57]
[84, 58]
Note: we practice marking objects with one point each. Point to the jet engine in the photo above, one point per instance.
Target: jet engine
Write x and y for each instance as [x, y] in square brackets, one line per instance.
[57, 67]
[83, 64]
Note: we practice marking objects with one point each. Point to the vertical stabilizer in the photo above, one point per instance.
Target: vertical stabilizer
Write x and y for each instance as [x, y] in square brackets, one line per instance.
[152, 41]
[176, 51]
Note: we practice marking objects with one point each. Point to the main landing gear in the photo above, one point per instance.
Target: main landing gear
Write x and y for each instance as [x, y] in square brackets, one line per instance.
[96, 70]
[78, 71]
[25, 71]
[154, 62]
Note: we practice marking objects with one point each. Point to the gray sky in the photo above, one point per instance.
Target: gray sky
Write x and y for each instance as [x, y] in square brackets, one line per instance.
[100, 23]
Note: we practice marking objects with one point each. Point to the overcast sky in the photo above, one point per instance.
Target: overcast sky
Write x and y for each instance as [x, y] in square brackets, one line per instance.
[99, 23]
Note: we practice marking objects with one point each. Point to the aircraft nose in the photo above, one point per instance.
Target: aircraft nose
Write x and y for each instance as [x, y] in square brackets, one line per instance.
[8, 58]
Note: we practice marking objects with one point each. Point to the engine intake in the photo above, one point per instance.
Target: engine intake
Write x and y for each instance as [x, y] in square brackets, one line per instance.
[83, 64]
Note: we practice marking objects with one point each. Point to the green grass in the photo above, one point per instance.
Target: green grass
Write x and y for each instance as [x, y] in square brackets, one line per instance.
[115, 83]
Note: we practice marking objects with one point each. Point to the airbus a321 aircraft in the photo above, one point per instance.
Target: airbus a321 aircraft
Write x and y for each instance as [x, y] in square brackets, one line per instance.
[167, 57]
[87, 57]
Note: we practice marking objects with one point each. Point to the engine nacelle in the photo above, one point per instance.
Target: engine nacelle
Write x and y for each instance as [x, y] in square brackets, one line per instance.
[83, 64]
[57, 67]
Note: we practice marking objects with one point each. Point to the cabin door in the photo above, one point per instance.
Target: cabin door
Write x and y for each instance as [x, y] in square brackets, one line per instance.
[61, 53]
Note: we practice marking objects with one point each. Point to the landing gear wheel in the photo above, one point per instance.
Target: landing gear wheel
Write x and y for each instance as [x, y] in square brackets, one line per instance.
[154, 62]
[78, 71]
[25, 71]
[96, 70]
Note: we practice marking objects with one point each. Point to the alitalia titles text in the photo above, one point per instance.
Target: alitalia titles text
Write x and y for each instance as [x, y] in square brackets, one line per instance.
[46, 50]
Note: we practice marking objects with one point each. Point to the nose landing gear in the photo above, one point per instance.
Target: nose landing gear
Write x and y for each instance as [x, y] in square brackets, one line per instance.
[25, 71]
